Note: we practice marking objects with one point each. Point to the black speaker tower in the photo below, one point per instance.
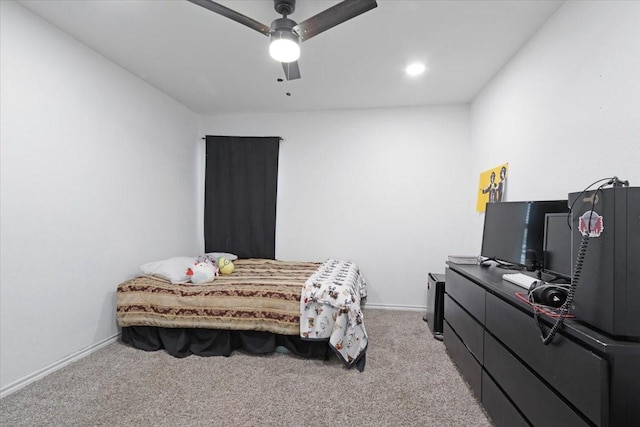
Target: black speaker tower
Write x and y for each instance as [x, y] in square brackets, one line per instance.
[607, 296]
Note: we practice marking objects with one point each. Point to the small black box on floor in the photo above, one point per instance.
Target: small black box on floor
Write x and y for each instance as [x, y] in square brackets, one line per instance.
[435, 304]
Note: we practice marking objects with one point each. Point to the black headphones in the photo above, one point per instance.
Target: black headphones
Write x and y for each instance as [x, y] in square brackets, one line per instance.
[548, 294]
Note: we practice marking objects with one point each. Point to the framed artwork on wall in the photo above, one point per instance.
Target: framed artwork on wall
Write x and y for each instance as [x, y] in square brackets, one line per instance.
[492, 186]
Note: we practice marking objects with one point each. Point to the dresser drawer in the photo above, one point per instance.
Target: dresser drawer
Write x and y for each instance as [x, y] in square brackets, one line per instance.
[537, 401]
[577, 374]
[468, 329]
[468, 294]
[467, 365]
[501, 411]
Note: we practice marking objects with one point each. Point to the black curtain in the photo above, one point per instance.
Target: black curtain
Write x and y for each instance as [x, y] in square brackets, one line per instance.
[241, 185]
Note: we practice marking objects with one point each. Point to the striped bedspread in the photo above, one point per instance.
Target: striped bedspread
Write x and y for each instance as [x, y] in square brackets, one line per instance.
[260, 295]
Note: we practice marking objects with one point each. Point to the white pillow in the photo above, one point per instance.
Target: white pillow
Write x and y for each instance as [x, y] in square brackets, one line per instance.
[172, 269]
[216, 255]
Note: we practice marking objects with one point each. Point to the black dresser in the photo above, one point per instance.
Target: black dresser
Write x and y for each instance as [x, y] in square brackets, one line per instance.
[581, 378]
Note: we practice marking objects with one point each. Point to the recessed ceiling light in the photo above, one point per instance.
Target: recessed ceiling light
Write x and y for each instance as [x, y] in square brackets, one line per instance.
[415, 69]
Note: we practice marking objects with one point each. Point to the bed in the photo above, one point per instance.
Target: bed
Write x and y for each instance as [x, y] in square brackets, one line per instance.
[309, 309]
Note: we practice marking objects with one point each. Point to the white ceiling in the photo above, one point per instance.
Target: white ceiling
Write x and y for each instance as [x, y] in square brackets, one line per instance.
[213, 65]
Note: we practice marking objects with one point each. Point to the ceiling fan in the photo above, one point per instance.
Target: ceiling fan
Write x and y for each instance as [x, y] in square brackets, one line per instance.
[285, 33]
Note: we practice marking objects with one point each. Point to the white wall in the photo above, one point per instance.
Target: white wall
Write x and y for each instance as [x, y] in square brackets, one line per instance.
[97, 167]
[565, 111]
[97, 177]
[390, 189]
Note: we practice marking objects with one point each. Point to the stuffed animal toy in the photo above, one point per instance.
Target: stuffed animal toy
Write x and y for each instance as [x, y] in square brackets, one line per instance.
[202, 272]
[225, 266]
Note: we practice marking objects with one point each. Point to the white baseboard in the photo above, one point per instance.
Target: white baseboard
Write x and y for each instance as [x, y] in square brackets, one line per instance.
[23, 382]
[395, 307]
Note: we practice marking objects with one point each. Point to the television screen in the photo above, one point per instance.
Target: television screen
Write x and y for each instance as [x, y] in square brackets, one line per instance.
[513, 228]
[557, 246]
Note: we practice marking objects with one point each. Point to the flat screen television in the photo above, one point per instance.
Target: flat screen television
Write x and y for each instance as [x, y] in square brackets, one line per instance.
[557, 246]
[514, 229]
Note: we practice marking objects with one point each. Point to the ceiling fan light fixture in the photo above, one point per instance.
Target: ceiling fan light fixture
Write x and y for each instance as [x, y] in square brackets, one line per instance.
[285, 34]
[284, 46]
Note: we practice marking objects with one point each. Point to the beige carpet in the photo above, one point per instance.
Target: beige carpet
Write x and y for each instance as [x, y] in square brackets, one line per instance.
[408, 381]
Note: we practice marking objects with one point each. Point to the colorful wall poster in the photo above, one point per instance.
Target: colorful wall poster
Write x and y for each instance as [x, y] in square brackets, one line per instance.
[492, 186]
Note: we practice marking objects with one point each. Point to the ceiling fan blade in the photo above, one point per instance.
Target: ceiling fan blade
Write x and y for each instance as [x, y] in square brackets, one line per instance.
[291, 70]
[333, 16]
[232, 14]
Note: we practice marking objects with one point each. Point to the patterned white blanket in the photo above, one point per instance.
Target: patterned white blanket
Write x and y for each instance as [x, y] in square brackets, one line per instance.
[330, 308]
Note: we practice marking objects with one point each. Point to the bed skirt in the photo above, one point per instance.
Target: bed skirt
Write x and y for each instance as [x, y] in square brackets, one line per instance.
[183, 342]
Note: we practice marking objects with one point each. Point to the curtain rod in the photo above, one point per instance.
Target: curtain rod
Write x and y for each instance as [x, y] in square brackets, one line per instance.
[280, 138]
